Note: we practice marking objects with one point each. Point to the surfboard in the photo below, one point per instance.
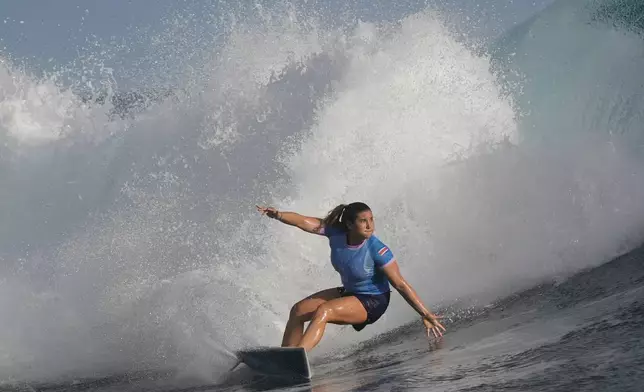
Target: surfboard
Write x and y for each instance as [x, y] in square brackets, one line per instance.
[289, 362]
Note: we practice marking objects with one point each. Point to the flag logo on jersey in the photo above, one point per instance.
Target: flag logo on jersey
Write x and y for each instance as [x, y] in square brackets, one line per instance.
[383, 250]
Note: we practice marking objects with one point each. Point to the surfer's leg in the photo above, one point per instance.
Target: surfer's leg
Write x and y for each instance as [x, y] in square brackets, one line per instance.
[345, 310]
[302, 312]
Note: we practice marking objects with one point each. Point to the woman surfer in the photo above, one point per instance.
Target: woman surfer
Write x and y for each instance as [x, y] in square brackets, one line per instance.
[366, 267]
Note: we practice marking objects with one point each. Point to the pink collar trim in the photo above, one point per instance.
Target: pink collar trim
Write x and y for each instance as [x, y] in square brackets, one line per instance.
[346, 242]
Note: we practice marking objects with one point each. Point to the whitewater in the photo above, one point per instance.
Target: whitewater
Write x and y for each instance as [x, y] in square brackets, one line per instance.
[506, 176]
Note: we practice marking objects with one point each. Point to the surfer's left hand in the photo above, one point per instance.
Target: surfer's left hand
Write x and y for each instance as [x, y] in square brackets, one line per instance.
[433, 326]
[268, 211]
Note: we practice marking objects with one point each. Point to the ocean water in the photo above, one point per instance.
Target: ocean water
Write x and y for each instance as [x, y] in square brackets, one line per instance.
[505, 174]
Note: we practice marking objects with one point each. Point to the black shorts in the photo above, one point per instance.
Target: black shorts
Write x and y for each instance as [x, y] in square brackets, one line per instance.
[374, 304]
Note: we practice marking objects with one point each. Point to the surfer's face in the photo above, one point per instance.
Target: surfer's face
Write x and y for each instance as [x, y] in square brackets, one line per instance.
[363, 226]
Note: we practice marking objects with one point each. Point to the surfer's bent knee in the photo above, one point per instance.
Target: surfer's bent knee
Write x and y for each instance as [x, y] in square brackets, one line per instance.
[294, 310]
[298, 313]
[322, 313]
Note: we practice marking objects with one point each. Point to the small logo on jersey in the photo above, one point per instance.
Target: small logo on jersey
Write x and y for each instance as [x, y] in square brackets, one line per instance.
[383, 250]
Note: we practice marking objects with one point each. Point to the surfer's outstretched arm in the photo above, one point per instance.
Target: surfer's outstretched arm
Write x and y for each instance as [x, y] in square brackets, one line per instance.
[409, 294]
[307, 223]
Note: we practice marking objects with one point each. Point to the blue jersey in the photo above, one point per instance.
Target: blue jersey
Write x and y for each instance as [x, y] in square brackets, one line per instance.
[359, 266]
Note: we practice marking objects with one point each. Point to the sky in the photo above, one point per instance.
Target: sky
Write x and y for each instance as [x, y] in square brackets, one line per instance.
[41, 34]
[58, 30]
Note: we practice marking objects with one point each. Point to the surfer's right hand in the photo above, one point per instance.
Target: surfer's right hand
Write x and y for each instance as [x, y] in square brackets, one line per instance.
[268, 211]
[433, 326]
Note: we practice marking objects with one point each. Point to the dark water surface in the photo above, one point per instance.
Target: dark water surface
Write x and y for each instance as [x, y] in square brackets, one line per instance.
[585, 334]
